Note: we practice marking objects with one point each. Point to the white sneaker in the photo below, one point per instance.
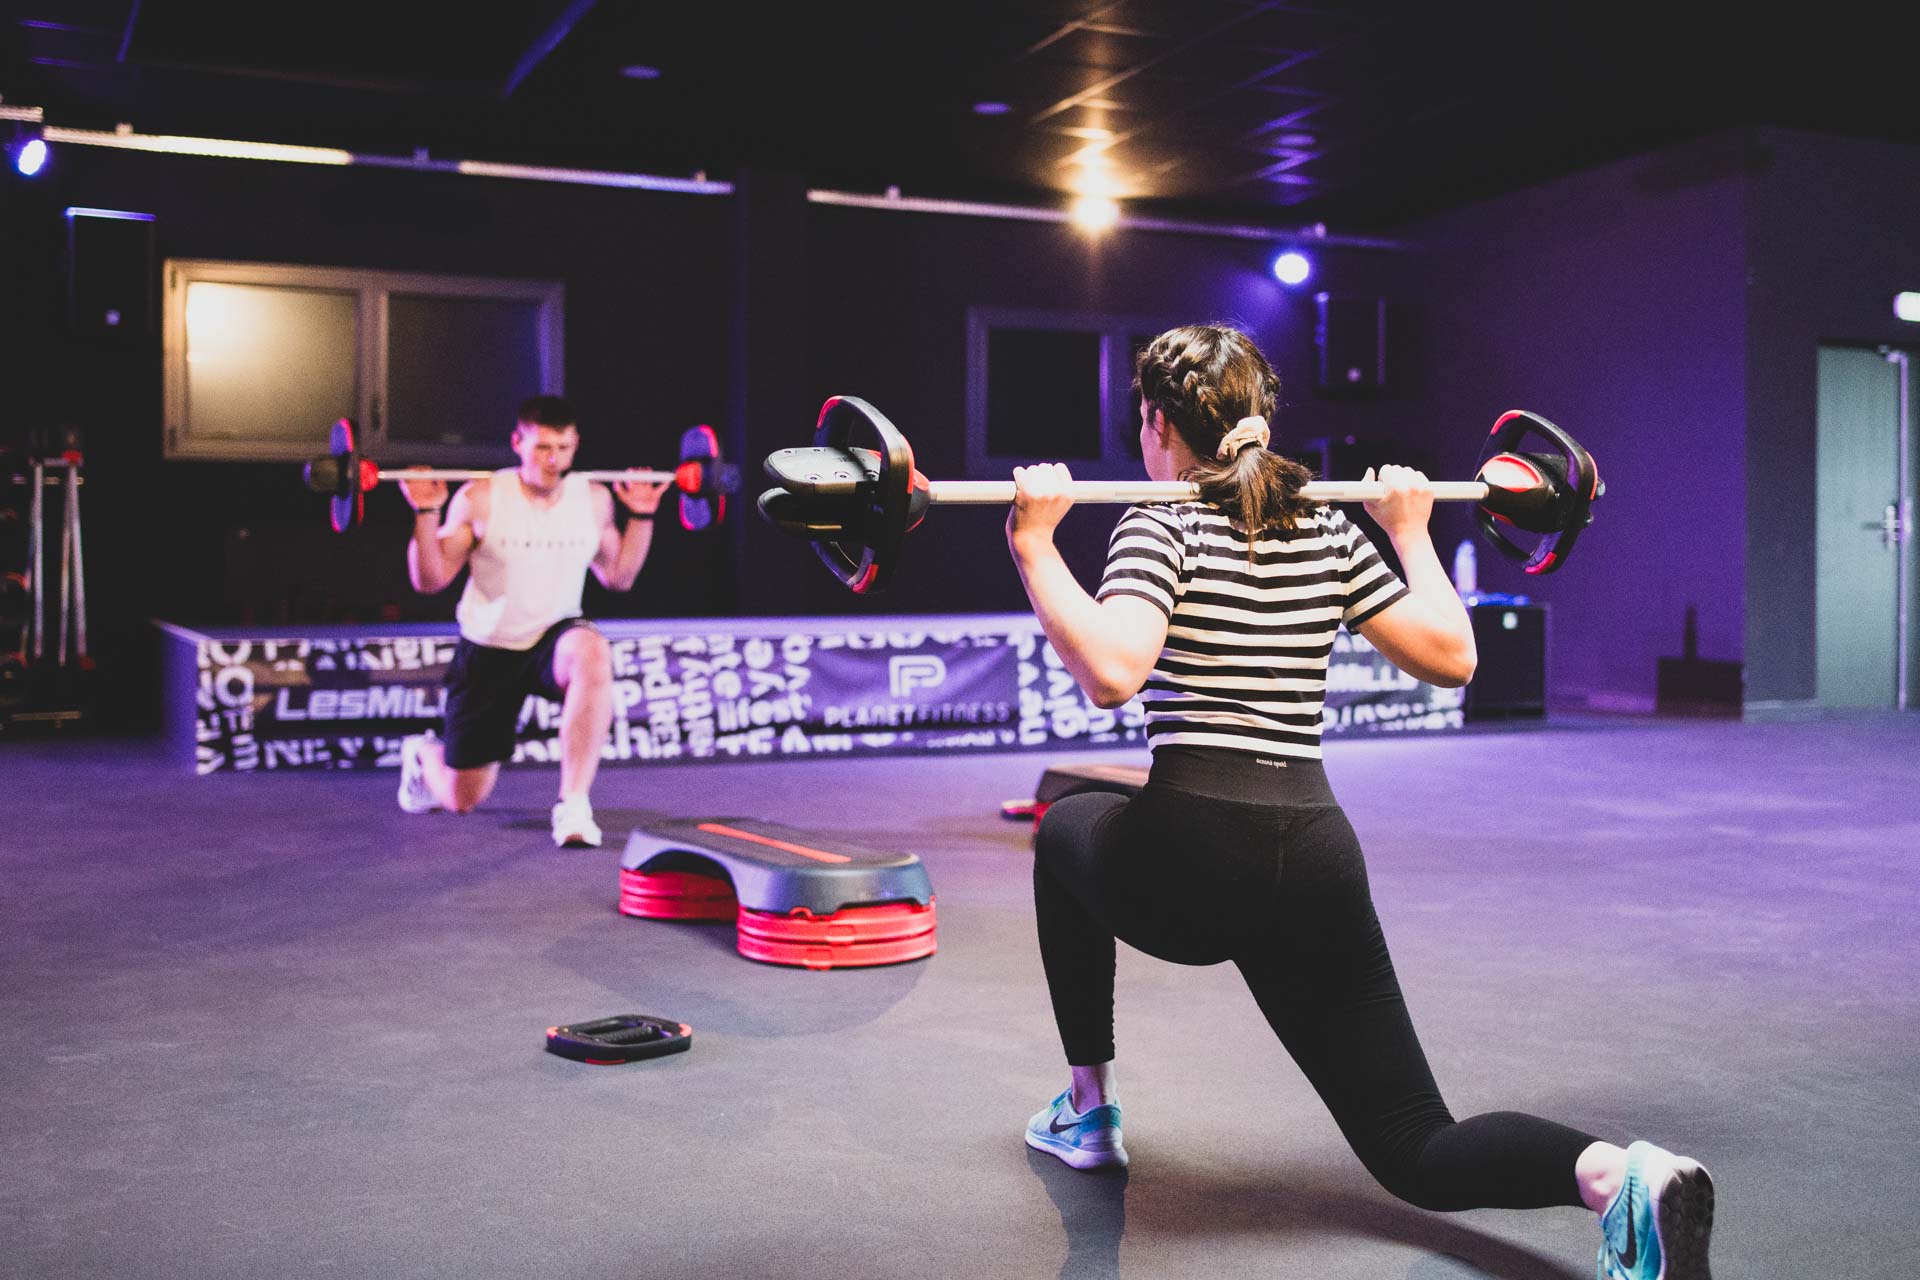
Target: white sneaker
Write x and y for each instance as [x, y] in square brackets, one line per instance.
[573, 824]
[415, 795]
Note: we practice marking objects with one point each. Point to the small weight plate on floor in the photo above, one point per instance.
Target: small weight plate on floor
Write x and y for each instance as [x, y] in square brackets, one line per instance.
[625, 1037]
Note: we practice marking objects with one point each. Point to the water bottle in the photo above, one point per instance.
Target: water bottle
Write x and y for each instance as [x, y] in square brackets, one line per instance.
[1465, 569]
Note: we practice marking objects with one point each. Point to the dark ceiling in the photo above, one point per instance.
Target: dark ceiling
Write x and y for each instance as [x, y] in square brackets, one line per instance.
[1362, 114]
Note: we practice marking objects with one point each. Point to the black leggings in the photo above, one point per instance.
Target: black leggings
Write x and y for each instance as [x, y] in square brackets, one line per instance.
[1224, 855]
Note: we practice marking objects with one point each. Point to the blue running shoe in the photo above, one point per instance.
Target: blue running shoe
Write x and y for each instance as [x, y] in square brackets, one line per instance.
[1089, 1141]
[1657, 1225]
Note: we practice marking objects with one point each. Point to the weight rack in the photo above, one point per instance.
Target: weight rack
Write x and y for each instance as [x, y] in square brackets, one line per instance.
[23, 649]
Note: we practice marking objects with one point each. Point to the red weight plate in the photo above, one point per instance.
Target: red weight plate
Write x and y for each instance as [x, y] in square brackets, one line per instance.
[676, 895]
[854, 955]
[850, 926]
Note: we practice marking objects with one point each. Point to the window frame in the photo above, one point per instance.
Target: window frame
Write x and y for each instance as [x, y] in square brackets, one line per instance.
[372, 356]
[1119, 427]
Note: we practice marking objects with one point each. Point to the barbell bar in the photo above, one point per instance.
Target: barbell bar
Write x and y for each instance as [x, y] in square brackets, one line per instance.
[635, 476]
[702, 477]
[1001, 492]
[855, 505]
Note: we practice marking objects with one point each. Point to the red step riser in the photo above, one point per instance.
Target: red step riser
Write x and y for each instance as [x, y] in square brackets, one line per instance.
[848, 957]
[851, 926]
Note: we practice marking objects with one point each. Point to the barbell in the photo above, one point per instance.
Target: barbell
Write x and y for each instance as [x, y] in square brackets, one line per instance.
[856, 505]
[702, 477]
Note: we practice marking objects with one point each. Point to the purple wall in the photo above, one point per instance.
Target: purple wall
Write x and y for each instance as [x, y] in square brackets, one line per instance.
[1611, 303]
[1834, 233]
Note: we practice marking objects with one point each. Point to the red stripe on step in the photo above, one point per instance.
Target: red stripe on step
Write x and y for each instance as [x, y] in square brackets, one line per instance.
[818, 854]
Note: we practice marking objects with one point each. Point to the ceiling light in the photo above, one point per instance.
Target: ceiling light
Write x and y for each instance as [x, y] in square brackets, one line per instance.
[173, 144]
[1095, 213]
[28, 151]
[991, 108]
[639, 71]
[1906, 306]
[1292, 267]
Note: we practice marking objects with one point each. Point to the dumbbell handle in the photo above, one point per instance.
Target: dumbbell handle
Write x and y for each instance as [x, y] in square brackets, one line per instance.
[983, 492]
[635, 476]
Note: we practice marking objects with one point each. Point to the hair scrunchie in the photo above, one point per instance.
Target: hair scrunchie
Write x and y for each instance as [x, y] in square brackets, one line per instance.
[1247, 431]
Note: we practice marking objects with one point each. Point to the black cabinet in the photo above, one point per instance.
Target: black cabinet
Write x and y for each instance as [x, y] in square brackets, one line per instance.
[1511, 681]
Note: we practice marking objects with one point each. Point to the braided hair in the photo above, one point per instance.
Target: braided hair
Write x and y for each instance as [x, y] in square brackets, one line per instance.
[1203, 379]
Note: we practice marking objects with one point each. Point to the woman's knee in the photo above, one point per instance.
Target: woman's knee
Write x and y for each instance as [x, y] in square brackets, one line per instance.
[1402, 1178]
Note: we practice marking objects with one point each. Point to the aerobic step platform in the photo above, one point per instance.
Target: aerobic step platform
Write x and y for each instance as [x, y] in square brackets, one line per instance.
[798, 897]
[1071, 779]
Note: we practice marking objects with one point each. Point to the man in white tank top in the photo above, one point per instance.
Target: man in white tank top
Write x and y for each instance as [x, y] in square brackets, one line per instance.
[527, 535]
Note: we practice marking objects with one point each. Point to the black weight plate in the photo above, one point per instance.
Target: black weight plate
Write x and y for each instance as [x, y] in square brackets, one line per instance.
[823, 472]
[624, 1037]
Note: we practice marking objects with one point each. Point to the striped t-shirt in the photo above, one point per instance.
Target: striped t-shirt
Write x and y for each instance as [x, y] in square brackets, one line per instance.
[1245, 662]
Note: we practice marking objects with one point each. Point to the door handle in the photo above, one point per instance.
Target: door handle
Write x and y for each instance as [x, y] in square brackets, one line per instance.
[1893, 529]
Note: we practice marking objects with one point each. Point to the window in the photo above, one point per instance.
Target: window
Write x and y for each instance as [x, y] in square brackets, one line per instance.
[1048, 386]
[261, 359]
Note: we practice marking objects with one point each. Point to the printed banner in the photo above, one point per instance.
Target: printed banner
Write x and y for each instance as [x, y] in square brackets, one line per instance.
[988, 684]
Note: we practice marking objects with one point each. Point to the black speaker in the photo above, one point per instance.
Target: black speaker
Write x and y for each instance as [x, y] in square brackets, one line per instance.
[1351, 336]
[1511, 680]
[112, 278]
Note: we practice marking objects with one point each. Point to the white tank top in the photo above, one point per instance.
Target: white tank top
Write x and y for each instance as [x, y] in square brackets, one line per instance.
[527, 572]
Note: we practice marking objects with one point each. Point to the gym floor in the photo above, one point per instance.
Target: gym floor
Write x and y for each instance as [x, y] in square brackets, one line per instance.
[268, 1025]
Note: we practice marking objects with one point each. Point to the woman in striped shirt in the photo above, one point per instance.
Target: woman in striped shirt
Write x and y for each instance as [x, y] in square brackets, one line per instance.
[1221, 614]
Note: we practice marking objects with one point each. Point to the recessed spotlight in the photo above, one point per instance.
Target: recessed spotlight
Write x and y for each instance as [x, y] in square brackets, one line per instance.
[1095, 213]
[28, 151]
[991, 108]
[32, 158]
[640, 71]
[1292, 268]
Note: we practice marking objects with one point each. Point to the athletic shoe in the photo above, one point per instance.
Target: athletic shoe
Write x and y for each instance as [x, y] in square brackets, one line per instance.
[415, 795]
[1657, 1224]
[573, 824]
[1088, 1141]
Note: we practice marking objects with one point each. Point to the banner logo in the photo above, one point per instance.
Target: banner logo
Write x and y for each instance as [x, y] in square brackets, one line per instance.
[910, 671]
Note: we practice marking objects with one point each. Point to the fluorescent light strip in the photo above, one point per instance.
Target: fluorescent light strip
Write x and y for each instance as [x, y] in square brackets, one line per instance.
[1128, 221]
[172, 144]
[76, 211]
[224, 148]
[595, 178]
[27, 115]
[918, 204]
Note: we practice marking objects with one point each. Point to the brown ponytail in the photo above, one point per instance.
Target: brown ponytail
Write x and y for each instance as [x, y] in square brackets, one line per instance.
[1203, 379]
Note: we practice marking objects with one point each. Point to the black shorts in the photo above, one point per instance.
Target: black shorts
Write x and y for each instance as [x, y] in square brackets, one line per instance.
[486, 687]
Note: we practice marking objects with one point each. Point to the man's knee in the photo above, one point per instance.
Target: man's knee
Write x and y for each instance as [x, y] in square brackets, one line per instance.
[468, 787]
[590, 658]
